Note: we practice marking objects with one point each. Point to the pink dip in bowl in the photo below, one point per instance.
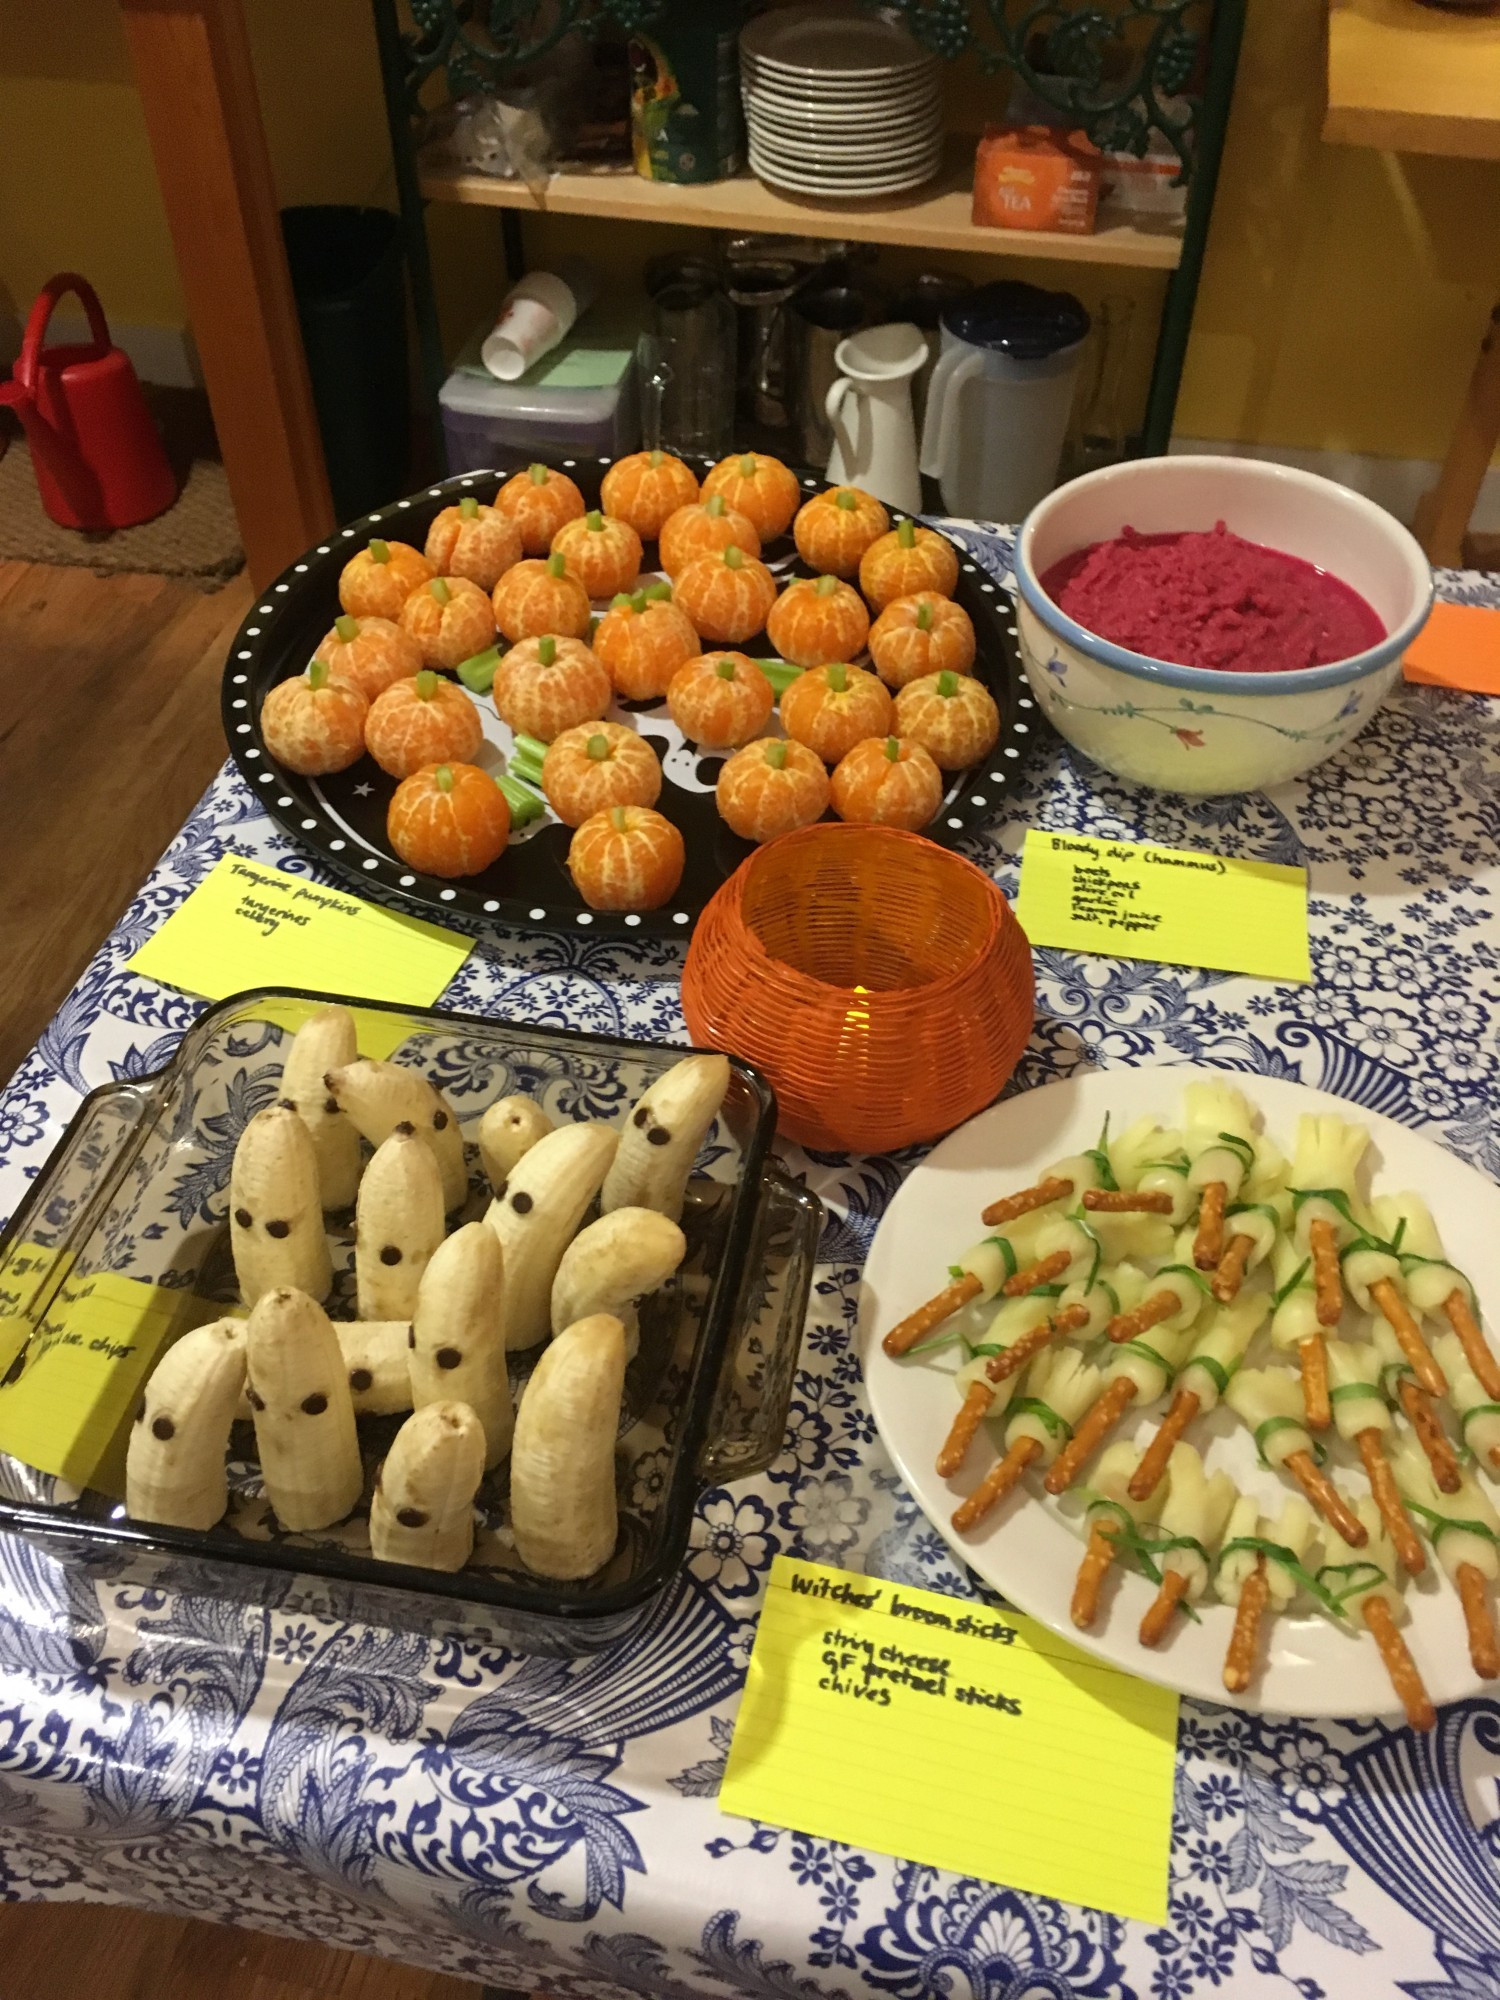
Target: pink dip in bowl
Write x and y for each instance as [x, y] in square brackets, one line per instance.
[1212, 600]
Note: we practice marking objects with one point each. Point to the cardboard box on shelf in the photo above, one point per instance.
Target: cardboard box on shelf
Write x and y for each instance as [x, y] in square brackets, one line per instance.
[1036, 177]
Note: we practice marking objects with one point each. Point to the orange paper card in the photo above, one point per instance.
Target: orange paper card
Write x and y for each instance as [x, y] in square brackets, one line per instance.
[1458, 647]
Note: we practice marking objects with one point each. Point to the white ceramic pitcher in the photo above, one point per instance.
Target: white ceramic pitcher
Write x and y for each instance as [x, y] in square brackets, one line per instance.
[869, 407]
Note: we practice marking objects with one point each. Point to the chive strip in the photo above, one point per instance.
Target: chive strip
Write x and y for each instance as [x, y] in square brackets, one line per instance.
[1274, 1424]
[1439, 1525]
[1213, 1368]
[1055, 1426]
[1293, 1284]
[1284, 1557]
[1474, 1410]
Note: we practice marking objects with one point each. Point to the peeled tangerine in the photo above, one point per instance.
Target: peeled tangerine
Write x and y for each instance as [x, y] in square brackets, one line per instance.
[626, 858]
[705, 529]
[544, 686]
[642, 640]
[314, 724]
[952, 716]
[473, 541]
[816, 620]
[646, 489]
[538, 597]
[772, 787]
[596, 765]
[908, 558]
[921, 634]
[720, 700]
[378, 581]
[450, 618]
[604, 554]
[833, 530]
[448, 819]
[830, 709]
[423, 721]
[885, 782]
[369, 653]
[539, 500]
[728, 596]
[759, 486]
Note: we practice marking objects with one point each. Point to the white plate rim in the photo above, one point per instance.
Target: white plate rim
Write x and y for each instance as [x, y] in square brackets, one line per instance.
[1034, 1570]
[838, 157]
[854, 190]
[773, 30]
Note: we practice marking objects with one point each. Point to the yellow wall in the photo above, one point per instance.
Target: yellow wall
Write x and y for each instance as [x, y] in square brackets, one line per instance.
[1342, 304]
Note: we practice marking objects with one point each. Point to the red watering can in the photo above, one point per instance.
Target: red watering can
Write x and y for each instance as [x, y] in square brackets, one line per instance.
[98, 460]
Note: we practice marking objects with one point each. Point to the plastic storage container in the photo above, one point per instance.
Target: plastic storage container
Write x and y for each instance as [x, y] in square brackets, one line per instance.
[139, 1186]
[579, 401]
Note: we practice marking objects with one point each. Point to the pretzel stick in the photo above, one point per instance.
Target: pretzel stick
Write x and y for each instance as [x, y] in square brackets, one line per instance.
[1325, 1496]
[1040, 1273]
[1328, 1279]
[996, 1483]
[1092, 1571]
[1128, 1326]
[1098, 1421]
[1147, 1475]
[1399, 1663]
[972, 1412]
[1313, 1356]
[1163, 1607]
[937, 1309]
[1255, 1593]
[1484, 1649]
[1014, 1205]
[1010, 1360]
[1409, 1337]
[1231, 1272]
[1120, 1201]
[1476, 1348]
[1208, 1244]
[1431, 1436]
[1388, 1500]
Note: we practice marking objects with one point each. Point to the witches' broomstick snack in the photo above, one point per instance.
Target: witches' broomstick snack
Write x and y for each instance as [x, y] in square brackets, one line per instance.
[1111, 1516]
[1404, 1392]
[1188, 1527]
[1059, 1386]
[987, 1379]
[1464, 1530]
[1139, 1371]
[1478, 1416]
[1363, 1418]
[1432, 1285]
[1328, 1154]
[1361, 1579]
[1269, 1402]
[1218, 1347]
[1260, 1569]
[1218, 1134]
[979, 1275]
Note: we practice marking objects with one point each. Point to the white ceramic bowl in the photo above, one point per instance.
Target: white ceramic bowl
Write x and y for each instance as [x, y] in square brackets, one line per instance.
[1194, 729]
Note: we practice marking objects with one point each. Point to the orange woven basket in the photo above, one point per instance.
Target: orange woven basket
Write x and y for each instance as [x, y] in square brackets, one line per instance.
[882, 984]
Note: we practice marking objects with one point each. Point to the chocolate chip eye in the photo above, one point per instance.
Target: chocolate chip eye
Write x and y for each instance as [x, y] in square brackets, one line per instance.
[411, 1517]
[448, 1357]
[658, 1136]
[439, 1121]
[253, 1400]
[163, 1428]
[330, 1104]
[243, 1217]
[315, 1404]
[500, 1191]
[406, 1128]
[389, 1254]
[522, 1203]
[285, 1104]
[642, 1117]
[278, 1229]
[360, 1379]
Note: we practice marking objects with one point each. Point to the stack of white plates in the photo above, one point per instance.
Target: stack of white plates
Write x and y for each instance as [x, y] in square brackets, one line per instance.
[839, 102]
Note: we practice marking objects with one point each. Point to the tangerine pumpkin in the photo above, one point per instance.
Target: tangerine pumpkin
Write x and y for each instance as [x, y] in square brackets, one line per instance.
[833, 529]
[642, 640]
[727, 596]
[754, 483]
[603, 553]
[921, 634]
[536, 598]
[544, 686]
[887, 782]
[720, 700]
[953, 717]
[646, 489]
[816, 620]
[626, 858]
[369, 653]
[423, 721]
[448, 819]
[830, 709]
[377, 582]
[474, 541]
[314, 724]
[704, 529]
[772, 787]
[599, 764]
[451, 619]
[909, 558]
[539, 501]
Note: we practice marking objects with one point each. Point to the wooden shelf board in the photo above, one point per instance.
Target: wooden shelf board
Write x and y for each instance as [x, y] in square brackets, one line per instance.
[1414, 79]
[933, 218]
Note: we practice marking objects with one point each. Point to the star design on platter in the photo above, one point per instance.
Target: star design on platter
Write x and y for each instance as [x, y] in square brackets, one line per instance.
[363, 791]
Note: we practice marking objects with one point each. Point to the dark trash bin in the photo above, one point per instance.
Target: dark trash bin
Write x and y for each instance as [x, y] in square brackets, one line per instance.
[349, 280]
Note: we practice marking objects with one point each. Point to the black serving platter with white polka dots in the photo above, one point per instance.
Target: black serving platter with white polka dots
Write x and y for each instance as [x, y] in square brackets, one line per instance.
[342, 817]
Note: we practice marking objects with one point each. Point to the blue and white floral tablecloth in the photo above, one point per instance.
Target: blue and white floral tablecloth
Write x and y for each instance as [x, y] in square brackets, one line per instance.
[533, 1822]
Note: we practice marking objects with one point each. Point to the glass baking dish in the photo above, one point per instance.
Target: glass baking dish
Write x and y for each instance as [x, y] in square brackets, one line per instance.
[139, 1186]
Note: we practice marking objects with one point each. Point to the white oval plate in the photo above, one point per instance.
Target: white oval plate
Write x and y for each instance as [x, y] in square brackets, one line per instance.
[1028, 1549]
[834, 37]
[861, 158]
[832, 190]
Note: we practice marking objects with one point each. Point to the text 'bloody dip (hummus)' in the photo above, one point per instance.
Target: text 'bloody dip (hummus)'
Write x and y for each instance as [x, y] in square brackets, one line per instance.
[1210, 599]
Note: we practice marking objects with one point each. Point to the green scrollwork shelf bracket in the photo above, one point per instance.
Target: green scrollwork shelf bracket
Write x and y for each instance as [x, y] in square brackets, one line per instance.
[480, 42]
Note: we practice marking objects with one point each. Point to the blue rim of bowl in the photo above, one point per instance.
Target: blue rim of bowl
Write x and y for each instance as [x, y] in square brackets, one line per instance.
[1205, 680]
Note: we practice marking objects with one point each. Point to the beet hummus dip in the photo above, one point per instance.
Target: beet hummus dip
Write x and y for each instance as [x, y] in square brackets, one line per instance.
[1210, 599]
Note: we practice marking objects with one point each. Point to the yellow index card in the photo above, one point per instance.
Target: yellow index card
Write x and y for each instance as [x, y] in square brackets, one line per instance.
[247, 925]
[1164, 904]
[957, 1736]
